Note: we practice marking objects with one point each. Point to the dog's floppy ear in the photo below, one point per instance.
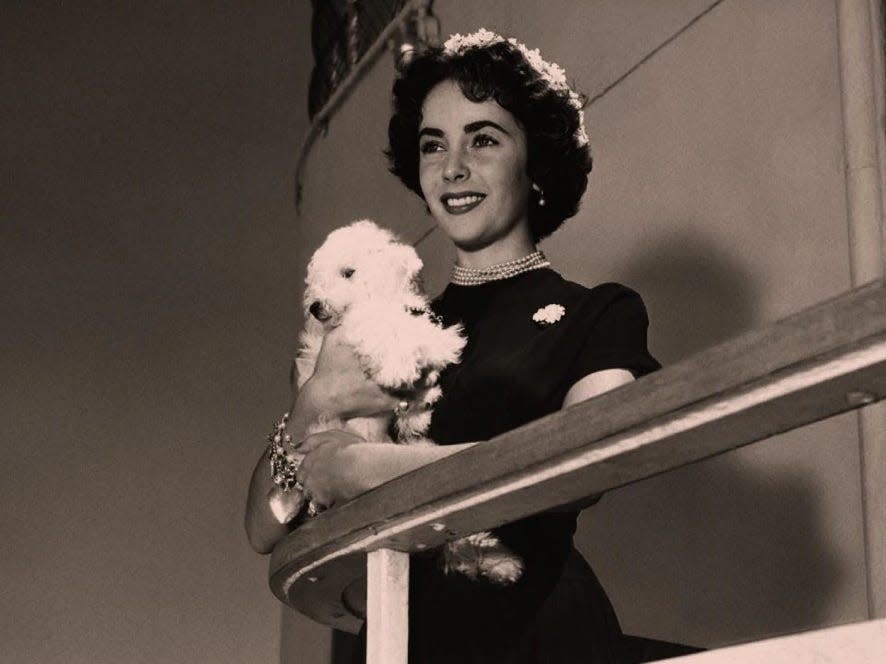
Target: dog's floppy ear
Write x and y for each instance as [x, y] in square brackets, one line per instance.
[418, 283]
[409, 261]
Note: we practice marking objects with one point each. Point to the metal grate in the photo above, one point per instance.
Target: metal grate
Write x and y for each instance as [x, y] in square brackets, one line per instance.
[341, 33]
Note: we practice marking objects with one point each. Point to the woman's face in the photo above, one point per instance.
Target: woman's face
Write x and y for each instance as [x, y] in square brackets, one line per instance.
[472, 169]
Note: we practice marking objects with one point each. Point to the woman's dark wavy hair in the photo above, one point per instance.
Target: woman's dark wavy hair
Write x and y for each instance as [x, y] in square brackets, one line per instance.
[555, 160]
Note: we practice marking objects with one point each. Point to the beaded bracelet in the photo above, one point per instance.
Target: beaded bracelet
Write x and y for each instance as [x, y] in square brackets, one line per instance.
[283, 466]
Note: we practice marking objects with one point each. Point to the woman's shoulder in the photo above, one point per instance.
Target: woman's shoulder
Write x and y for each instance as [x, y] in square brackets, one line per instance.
[612, 322]
[609, 306]
[600, 295]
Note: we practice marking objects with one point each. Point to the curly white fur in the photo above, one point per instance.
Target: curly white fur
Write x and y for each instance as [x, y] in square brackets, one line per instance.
[367, 284]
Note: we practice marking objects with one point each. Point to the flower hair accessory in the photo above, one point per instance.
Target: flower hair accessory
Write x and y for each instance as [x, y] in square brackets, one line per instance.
[551, 72]
[549, 315]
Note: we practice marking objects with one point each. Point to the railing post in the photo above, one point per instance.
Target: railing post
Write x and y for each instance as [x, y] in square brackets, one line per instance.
[861, 78]
[387, 607]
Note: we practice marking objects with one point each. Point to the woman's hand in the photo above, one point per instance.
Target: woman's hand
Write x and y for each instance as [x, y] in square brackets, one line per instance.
[339, 466]
[340, 387]
[331, 471]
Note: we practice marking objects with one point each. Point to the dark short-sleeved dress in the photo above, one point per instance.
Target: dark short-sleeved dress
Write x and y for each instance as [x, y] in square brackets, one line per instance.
[515, 370]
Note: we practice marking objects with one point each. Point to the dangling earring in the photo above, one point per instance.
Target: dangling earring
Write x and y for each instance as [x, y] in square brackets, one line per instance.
[541, 195]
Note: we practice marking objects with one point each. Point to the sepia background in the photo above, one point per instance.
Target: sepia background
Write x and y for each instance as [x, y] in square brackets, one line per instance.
[152, 263]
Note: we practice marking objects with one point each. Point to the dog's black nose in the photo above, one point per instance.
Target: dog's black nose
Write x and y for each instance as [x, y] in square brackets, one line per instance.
[320, 311]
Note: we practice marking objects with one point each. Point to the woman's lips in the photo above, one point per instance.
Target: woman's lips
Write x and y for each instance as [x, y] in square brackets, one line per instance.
[461, 202]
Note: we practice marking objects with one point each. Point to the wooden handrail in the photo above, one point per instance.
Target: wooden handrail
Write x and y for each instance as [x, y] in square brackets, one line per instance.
[812, 365]
[859, 643]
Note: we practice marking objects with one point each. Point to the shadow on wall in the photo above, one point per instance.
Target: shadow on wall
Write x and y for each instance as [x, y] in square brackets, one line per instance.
[697, 292]
[729, 549]
[720, 552]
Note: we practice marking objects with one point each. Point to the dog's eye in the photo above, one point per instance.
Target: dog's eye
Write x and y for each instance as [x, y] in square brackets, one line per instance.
[347, 272]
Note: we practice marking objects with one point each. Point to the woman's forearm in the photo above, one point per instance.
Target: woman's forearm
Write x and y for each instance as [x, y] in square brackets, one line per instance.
[262, 527]
[373, 464]
[364, 465]
[377, 463]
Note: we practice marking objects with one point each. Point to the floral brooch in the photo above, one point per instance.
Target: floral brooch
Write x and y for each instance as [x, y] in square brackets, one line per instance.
[549, 315]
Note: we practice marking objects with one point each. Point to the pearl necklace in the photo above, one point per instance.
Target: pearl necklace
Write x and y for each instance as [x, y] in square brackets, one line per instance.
[469, 276]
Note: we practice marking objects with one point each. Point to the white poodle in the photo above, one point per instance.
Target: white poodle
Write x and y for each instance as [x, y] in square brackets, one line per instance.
[367, 284]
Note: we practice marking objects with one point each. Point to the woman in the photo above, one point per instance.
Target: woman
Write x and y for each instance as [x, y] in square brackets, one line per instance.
[492, 137]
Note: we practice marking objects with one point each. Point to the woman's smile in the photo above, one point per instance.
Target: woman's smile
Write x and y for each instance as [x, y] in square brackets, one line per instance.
[461, 202]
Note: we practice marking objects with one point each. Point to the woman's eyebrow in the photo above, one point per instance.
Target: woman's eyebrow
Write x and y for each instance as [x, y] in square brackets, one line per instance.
[469, 128]
[479, 124]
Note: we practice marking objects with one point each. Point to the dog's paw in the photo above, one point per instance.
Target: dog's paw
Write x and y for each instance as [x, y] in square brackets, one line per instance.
[502, 567]
[430, 396]
[482, 555]
[412, 426]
